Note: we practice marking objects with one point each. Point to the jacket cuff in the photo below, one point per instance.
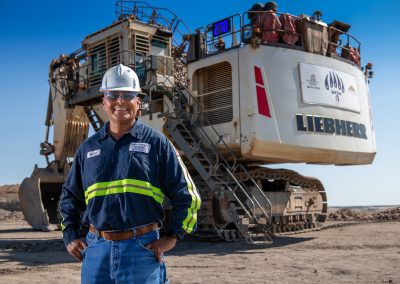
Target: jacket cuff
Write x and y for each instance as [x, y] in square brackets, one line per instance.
[70, 234]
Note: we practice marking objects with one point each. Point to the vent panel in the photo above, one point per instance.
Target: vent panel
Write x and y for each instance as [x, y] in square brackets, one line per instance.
[215, 92]
[141, 43]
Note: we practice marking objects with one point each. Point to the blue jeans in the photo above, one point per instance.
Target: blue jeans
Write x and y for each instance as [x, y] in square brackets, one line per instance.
[126, 261]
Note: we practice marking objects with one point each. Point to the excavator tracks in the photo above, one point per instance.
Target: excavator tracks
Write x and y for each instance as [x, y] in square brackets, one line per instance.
[214, 222]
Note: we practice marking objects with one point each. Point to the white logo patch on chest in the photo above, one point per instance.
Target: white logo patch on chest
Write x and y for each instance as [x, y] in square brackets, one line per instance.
[139, 147]
[92, 154]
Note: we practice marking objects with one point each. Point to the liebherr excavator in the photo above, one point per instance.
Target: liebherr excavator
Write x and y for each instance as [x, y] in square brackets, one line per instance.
[251, 89]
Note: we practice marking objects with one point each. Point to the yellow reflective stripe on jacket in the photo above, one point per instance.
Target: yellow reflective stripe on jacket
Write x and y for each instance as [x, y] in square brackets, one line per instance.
[124, 186]
[190, 221]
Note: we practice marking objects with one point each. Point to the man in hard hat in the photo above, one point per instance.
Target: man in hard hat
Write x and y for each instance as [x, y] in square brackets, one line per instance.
[271, 6]
[116, 188]
[252, 14]
[270, 24]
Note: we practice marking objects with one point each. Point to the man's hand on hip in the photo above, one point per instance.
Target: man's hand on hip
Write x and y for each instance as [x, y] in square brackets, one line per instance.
[76, 247]
[162, 245]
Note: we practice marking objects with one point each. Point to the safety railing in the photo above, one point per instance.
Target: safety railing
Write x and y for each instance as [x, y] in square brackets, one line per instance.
[86, 76]
[281, 29]
[242, 169]
[163, 18]
[223, 35]
[290, 30]
[272, 27]
[252, 203]
[344, 45]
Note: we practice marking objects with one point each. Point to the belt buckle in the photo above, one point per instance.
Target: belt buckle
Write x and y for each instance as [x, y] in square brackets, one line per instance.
[96, 232]
[104, 233]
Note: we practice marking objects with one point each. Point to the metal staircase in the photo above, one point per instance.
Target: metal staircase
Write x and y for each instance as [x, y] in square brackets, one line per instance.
[187, 129]
[198, 139]
[96, 123]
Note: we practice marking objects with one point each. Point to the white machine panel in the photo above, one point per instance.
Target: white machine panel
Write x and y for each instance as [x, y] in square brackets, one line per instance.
[284, 121]
[329, 87]
[296, 106]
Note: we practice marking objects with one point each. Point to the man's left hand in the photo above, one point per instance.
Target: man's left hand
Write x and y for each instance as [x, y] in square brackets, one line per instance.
[162, 245]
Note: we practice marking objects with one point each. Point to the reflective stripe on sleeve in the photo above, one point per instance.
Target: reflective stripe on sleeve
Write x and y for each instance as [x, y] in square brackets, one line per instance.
[189, 222]
[124, 186]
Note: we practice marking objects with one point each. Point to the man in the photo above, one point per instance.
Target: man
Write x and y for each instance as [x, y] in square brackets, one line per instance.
[116, 187]
[270, 24]
[271, 6]
[252, 15]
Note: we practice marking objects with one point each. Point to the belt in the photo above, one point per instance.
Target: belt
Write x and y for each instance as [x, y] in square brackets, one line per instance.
[124, 235]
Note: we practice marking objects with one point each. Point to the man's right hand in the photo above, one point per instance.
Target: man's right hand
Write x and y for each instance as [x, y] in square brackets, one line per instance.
[75, 247]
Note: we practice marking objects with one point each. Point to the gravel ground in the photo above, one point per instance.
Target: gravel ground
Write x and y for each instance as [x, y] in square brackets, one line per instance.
[366, 252]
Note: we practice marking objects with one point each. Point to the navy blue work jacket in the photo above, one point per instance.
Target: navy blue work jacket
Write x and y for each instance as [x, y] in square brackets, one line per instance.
[121, 184]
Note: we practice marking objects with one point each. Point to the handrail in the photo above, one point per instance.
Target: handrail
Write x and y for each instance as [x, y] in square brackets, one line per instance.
[348, 46]
[226, 41]
[215, 45]
[138, 11]
[142, 11]
[244, 170]
[249, 198]
[244, 191]
[201, 129]
[344, 48]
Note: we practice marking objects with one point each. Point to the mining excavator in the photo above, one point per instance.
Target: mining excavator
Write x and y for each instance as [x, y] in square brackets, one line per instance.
[235, 96]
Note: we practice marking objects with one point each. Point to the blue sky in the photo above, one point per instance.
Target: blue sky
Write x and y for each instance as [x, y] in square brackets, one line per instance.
[34, 32]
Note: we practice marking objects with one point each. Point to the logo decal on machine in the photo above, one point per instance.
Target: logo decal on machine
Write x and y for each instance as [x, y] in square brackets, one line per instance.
[335, 84]
[92, 154]
[312, 83]
[329, 125]
[262, 100]
[329, 87]
[139, 147]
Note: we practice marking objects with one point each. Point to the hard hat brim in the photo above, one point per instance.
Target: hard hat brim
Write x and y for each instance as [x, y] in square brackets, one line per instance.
[125, 89]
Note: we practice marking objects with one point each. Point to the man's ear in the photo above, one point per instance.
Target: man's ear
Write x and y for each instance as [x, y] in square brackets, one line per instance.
[139, 110]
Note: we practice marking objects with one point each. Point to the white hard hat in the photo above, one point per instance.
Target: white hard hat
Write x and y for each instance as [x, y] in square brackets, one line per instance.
[120, 78]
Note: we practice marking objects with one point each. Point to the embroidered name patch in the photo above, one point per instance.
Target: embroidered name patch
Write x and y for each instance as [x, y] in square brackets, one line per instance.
[92, 154]
[139, 147]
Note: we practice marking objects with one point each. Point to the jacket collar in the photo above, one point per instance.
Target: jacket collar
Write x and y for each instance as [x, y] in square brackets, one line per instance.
[136, 130]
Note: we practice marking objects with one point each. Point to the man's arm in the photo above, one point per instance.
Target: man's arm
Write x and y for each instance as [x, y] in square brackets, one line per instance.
[72, 203]
[180, 189]
[177, 184]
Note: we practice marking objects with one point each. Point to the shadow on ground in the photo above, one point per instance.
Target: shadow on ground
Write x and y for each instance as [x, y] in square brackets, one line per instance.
[191, 245]
[32, 252]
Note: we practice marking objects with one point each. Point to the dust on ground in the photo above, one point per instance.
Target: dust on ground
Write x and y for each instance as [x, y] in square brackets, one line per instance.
[366, 252]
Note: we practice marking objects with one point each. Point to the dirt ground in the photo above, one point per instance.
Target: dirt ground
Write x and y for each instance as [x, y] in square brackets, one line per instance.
[361, 253]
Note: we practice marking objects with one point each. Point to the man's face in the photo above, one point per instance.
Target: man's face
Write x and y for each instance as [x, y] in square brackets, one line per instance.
[121, 108]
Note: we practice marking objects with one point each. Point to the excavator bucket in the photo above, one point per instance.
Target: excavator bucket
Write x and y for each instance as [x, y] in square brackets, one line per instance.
[39, 196]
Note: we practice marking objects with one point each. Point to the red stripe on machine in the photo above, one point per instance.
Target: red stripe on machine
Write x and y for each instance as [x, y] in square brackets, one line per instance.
[258, 75]
[262, 100]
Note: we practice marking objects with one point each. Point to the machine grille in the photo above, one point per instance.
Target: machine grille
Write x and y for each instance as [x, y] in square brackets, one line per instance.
[102, 56]
[215, 92]
[141, 43]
